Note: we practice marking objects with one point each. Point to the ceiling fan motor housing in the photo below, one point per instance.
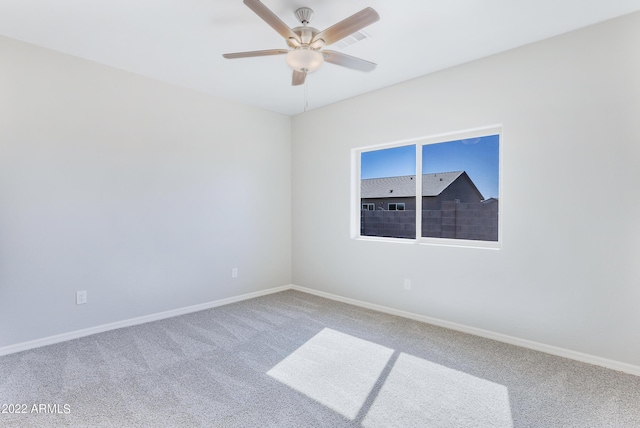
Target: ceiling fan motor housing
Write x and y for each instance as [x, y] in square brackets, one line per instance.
[306, 35]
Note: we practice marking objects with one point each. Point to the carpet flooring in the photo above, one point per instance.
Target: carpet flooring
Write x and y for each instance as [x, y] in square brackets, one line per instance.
[292, 359]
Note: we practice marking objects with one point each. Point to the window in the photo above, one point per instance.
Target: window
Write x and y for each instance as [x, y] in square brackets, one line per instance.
[386, 182]
[458, 184]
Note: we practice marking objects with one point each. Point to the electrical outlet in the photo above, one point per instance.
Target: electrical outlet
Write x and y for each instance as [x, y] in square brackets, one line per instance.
[407, 284]
[234, 272]
[81, 297]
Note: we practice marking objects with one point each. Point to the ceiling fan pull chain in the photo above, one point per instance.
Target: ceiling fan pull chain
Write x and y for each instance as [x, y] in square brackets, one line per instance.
[306, 96]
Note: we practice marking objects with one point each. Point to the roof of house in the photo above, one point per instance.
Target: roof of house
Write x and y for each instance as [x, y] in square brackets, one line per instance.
[404, 186]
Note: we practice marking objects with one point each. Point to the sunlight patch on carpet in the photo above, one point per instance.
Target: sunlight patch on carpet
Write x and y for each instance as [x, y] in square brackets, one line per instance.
[420, 393]
[335, 369]
[380, 387]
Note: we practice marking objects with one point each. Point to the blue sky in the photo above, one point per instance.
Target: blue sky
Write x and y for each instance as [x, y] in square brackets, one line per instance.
[479, 157]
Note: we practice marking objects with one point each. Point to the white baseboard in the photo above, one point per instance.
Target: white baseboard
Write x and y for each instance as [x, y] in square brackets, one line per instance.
[554, 350]
[23, 346]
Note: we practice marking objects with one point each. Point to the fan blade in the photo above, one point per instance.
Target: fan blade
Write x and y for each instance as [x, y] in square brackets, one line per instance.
[348, 61]
[272, 19]
[348, 26]
[255, 53]
[298, 78]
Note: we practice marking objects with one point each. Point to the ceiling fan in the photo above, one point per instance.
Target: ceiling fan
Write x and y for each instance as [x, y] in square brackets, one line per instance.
[307, 54]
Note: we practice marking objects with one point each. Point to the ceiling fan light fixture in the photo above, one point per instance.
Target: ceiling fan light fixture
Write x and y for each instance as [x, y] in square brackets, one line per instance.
[304, 60]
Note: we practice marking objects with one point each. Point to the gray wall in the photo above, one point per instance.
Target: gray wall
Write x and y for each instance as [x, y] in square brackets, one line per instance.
[142, 193]
[567, 274]
[391, 224]
[475, 221]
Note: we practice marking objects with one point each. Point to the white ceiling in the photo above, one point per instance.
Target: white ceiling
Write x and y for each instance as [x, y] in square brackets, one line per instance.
[182, 41]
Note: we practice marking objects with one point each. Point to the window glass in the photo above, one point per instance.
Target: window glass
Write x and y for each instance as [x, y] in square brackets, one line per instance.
[460, 189]
[387, 181]
[458, 183]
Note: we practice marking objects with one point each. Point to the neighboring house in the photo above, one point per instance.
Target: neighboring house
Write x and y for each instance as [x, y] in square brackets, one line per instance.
[398, 193]
[452, 207]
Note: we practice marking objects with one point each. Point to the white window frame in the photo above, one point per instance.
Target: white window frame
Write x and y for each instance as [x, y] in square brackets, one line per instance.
[419, 142]
[396, 205]
[370, 206]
